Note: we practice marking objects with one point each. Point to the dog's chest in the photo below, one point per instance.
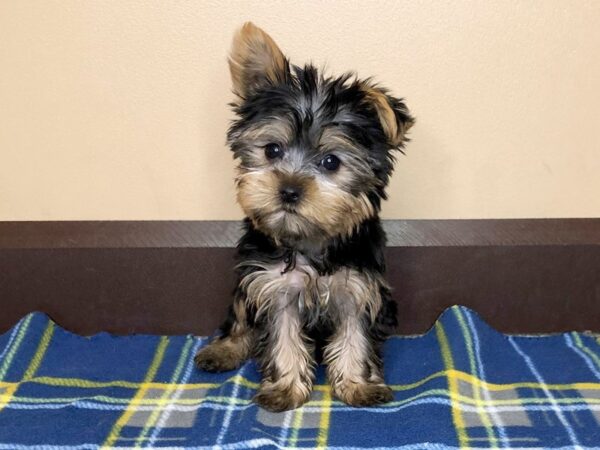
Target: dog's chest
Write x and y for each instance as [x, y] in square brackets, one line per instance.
[288, 281]
[301, 279]
[275, 287]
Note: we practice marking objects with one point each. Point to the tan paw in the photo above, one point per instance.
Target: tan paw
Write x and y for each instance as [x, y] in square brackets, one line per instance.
[276, 399]
[216, 357]
[364, 394]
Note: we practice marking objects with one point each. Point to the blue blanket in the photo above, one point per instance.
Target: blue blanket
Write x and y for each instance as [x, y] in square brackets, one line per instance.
[462, 385]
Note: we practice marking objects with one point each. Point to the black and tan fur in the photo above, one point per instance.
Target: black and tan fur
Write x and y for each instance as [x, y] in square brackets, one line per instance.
[310, 270]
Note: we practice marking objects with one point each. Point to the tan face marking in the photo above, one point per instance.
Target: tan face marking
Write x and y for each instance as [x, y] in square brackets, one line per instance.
[324, 210]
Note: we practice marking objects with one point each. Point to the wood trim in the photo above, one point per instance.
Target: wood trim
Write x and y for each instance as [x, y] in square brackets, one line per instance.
[522, 276]
[224, 234]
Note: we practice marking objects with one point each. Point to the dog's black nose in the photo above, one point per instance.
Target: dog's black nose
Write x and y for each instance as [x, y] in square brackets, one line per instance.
[290, 194]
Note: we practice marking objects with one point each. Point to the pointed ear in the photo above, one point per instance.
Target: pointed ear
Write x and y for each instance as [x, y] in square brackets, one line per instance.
[255, 61]
[392, 112]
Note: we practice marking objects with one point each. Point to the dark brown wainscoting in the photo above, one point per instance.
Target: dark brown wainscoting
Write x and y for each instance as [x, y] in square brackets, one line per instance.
[521, 276]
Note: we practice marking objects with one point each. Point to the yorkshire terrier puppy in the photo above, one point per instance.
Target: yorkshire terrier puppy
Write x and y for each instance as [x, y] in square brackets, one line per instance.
[315, 155]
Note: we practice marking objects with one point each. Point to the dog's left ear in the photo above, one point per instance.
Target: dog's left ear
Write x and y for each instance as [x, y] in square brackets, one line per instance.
[393, 114]
[255, 61]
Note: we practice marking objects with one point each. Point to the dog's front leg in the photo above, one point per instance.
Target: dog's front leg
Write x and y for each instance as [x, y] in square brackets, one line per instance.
[286, 358]
[354, 367]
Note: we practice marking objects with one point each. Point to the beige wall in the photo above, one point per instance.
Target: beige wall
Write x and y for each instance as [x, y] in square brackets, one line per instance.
[117, 109]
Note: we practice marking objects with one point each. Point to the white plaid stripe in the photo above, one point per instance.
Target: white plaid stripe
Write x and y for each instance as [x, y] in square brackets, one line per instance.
[582, 405]
[231, 407]
[259, 443]
[555, 406]
[481, 374]
[166, 413]
[285, 427]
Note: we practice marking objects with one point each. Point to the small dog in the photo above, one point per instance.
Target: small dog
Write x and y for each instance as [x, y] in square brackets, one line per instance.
[315, 155]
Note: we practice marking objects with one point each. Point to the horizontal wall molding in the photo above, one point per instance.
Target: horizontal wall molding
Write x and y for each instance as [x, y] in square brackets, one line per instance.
[175, 277]
[224, 234]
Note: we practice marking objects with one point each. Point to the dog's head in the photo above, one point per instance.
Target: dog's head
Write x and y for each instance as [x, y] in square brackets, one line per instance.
[315, 153]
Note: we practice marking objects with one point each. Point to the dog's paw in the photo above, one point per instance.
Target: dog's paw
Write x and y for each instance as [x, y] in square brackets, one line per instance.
[217, 358]
[364, 394]
[275, 399]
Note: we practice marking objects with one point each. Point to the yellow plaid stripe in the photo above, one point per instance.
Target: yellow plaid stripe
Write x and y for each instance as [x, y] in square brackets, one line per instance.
[296, 425]
[139, 396]
[325, 416]
[7, 396]
[33, 365]
[16, 344]
[40, 352]
[165, 396]
[457, 418]
[89, 384]
[485, 419]
[460, 375]
[460, 399]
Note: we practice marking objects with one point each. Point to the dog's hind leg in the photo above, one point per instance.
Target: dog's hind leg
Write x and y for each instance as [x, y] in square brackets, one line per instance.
[233, 347]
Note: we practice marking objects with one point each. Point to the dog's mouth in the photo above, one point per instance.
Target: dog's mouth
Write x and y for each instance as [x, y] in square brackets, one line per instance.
[288, 226]
[291, 209]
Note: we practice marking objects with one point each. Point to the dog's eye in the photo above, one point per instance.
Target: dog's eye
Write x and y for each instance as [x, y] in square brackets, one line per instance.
[331, 162]
[273, 151]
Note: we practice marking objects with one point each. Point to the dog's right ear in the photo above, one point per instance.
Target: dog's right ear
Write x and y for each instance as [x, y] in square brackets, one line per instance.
[255, 61]
[393, 114]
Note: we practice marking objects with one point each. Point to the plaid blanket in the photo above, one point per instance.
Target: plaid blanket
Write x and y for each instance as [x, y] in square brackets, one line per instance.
[462, 385]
